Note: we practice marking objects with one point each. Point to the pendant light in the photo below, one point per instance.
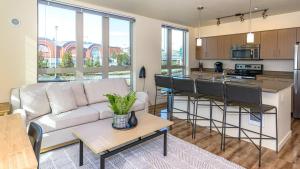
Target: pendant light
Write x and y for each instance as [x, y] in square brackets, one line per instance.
[198, 39]
[250, 35]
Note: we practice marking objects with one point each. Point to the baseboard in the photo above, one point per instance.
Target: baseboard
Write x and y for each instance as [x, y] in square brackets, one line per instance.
[284, 140]
[44, 150]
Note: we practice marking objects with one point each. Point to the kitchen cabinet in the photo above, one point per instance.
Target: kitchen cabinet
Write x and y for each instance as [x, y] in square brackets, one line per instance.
[286, 41]
[238, 39]
[256, 37]
[201, 50]
[224, 47]
[211, 48]
[268, 44]
[298, 34]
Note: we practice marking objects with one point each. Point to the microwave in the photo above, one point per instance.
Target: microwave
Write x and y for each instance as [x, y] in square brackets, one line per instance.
[245, 52]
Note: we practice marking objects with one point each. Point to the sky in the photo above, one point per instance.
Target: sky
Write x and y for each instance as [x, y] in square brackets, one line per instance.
[61, 24]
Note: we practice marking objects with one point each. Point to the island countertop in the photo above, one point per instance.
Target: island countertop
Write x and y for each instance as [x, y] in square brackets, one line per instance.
[267, 85]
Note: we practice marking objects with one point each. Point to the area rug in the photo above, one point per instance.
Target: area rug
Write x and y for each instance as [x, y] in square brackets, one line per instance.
[149, 155]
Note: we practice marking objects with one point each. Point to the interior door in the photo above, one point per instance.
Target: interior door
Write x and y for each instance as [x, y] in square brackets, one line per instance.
[286, 42]
[269, 44]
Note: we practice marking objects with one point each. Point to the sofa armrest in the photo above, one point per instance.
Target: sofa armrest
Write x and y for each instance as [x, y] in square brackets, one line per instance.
[145, 98]
[22, 112]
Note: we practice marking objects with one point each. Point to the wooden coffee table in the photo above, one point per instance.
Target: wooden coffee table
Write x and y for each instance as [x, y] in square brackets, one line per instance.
[102, 139]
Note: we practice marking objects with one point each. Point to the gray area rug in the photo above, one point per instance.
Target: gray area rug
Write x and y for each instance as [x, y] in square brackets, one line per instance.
[149, 155]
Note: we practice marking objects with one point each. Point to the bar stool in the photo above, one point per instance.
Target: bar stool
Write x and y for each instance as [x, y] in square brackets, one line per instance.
[212, 91]
[248, 98]
[163, 83]
[183, 86]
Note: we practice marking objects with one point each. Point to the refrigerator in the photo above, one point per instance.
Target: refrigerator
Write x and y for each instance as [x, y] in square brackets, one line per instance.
[296, 94]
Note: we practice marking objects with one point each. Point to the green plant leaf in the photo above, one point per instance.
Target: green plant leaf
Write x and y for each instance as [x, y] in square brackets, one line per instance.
[121, 105]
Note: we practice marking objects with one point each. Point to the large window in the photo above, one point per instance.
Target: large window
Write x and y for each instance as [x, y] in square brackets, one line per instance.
[173, 51]
[76, 43]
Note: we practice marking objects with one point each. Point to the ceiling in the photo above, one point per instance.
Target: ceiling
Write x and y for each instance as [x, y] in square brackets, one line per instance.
[184, 11]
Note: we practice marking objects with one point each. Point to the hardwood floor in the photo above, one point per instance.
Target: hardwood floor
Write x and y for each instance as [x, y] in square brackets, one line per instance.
[241, 152]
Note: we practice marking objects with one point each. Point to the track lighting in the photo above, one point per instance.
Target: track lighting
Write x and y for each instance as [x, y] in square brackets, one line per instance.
[242, 18]
[264, 14]
[242, 15]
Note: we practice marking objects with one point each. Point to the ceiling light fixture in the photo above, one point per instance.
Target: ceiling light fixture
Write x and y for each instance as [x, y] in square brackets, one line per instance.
[250, 35]
[198, 39]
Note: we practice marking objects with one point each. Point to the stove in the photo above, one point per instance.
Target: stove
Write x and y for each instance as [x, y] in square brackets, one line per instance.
[246, 71]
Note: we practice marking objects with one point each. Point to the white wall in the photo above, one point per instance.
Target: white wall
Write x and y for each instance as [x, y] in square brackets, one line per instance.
[18, 58]
[18, 45]
[287, 20]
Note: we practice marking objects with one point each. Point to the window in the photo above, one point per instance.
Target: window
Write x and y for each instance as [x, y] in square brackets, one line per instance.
[76, 43]
[173, 51]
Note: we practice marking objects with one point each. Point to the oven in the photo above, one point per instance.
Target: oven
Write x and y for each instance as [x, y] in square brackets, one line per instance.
[245, 52]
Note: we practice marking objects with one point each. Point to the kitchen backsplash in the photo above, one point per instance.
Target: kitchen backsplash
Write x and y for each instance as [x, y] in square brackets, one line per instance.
[269, 65]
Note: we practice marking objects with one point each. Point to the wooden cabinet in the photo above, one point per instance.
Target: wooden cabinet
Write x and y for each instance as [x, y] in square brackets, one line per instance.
[223, 47]
[268, 48]
[298, 34]
[201, 50]
[211, 48]
[286, 41]
[256, 37]
[275, 44]
[238, 39]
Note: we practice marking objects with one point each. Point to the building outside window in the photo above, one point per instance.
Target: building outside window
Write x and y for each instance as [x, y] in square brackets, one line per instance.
[173, 50]
[78, 44]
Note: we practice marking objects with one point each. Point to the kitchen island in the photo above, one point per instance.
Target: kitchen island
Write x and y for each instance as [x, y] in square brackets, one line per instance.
[275, 92]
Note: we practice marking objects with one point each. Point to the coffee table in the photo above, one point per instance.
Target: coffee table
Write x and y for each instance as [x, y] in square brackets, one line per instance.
[102, 139]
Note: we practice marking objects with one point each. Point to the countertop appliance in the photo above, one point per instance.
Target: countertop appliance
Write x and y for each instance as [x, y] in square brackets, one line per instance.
[296, 94]
[245, 52]
[219, 67]
[246, 71]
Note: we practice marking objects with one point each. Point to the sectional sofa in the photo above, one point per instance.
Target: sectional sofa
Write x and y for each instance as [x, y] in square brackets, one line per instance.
[60, 107]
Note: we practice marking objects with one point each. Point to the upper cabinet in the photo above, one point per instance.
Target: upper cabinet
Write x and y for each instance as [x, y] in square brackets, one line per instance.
[286, 41]
[298, 34]
[201, 50]
[238, 39]
[268, 44]
[275, 44]
[223, 47]
[211, 48]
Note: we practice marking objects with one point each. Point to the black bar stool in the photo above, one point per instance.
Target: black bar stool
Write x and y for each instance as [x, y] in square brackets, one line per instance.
[183, 86]
[163, 83]
[248, 98]
[212, 91]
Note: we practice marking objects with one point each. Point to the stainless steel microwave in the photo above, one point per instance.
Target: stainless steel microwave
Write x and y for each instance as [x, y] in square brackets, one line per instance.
[245, 52]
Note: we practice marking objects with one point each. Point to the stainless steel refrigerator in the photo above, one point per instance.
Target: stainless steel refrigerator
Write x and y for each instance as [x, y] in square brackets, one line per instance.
[296, 94]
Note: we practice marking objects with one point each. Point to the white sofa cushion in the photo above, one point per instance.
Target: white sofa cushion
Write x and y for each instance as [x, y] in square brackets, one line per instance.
[34, 100]
[95, 90]
[106, 112]
[52, 122]
[61, 98]
[79, 94]
[103, 109]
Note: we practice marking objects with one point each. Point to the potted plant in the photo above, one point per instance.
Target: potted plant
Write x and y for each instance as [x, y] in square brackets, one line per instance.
[121, 106]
